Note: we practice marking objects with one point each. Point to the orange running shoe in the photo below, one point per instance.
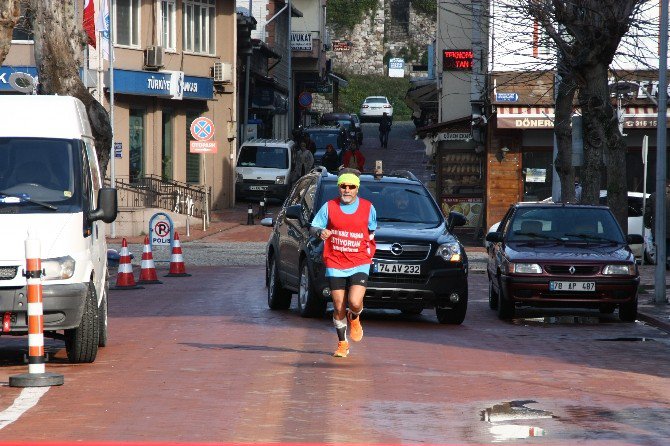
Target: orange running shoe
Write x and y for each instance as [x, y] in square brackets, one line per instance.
[356, 333]
[342, 349]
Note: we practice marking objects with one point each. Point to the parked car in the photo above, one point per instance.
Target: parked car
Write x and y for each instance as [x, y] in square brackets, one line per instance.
[634, 225]
[345, 120]
[557, 254]
[418, 263]
[373, 107]
[264, 168]
[322, 135]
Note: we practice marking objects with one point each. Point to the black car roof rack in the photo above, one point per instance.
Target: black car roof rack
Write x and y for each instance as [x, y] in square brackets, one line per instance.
[403, 174]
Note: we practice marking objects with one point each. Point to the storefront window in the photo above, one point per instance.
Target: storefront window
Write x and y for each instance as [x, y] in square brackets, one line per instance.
[192, 159]
[168, 143]
[537, 174]
[136, 143]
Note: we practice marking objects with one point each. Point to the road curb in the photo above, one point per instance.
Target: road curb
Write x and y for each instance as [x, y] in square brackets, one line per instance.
[654, 321]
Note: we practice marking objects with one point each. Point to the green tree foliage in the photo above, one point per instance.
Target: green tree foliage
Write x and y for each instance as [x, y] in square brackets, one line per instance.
[360, 87]
[343, 15]
[428, 7]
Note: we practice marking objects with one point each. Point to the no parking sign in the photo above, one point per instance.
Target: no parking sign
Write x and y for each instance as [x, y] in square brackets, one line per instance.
[161, 229]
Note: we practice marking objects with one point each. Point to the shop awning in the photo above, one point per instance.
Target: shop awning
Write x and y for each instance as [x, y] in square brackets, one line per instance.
[422, 94]
[528, 117]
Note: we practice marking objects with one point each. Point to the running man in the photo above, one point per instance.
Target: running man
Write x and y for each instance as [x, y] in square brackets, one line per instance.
[347, 225]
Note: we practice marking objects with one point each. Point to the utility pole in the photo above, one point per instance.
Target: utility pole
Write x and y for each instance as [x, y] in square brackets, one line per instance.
[659, 276]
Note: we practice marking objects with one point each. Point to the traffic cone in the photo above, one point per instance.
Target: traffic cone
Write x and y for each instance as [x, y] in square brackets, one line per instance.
[124, 278]
[148, 270]
[177, 268]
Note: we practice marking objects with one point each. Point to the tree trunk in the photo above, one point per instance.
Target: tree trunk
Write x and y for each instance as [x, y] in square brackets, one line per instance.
[594, 114]
[565, 95]
[59, 43]
[617, 184]
[9, 16]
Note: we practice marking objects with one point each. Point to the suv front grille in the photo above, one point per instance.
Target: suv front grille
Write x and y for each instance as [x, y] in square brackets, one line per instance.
[397, 279]
[580, 270]
[8, 272]
[389, 251]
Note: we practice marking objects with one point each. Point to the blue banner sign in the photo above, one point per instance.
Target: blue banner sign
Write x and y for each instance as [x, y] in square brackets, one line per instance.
[507, 97]
[5, 72]
[150, 83]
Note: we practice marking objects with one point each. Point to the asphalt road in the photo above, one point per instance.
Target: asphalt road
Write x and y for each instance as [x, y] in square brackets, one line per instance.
[202, 359]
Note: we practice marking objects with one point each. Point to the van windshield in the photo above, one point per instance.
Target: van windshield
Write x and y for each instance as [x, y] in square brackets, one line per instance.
[263, 156]
[38, 170]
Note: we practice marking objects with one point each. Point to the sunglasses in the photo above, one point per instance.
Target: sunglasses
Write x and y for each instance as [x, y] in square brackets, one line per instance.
[348, 186]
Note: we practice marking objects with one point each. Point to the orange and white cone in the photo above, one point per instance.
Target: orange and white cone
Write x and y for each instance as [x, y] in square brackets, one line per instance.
[125, 280]
[177, 268]
[148, 269]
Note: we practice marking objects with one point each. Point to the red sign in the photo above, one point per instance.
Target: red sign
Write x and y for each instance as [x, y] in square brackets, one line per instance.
[203, 147]
[457, 60]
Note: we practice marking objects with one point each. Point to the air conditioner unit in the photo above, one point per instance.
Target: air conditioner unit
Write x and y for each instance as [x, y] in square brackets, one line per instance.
[222, 73]
[153, 57]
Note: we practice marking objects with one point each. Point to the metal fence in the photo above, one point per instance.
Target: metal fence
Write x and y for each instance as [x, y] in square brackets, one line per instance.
[152, 191]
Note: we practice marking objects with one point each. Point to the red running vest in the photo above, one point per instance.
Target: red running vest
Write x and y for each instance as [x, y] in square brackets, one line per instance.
[349, 245]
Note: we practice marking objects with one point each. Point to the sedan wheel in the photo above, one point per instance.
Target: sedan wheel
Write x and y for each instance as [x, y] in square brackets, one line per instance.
[505, 307]
[628, 311]
[309, 304]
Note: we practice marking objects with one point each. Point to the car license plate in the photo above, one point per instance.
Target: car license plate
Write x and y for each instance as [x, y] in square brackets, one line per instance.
[396, 268]
[572, 286]
[258, 188]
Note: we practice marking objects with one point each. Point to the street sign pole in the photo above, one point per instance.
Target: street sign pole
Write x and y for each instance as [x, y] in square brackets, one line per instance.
[659, 276]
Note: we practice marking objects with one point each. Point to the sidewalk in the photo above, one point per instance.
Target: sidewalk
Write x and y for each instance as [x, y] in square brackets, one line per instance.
[654, 314]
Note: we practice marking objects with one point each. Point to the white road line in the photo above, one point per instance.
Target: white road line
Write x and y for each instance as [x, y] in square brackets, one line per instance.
[26, 400]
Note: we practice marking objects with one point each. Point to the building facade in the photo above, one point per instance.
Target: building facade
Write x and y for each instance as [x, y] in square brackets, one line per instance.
[173, 62]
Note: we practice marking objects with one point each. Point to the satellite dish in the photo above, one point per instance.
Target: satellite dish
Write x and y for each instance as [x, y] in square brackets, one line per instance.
[22, 82]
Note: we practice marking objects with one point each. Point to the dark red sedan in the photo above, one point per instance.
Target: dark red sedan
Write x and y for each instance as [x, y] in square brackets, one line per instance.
[562, 255]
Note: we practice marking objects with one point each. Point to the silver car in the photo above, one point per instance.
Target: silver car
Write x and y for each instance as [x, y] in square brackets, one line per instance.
[374, 107]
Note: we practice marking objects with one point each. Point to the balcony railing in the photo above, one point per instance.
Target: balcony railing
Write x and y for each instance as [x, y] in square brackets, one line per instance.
[152, 191]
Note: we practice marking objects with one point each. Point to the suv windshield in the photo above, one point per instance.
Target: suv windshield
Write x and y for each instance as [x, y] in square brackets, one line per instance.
[564, 224]
[37, 171]
[322, 139]
[394, 202]
[263, 156]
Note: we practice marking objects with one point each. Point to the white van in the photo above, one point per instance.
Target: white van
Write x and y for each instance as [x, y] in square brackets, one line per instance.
[264, 169]
[51, 188]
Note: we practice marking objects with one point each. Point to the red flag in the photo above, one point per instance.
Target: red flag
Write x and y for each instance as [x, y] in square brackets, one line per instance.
[89, 21]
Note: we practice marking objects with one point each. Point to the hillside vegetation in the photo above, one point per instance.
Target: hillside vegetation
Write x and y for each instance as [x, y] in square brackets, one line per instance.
[361, 87]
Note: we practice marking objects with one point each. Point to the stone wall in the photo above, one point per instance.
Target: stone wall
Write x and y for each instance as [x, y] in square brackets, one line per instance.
[395, 30]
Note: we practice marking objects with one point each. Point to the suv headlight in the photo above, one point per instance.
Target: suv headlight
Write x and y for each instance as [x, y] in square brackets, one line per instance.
[525, 268]
[619, 270]
[58, 268]
[281, 179]
[238, 177]
[450, 252]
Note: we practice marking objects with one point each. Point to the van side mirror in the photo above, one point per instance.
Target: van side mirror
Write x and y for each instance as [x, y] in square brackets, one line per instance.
[634, 239]
[107, 206]
[455, 219]
[494, 237]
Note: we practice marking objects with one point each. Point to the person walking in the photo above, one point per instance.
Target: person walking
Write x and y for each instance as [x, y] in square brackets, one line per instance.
[353, 158]
[384, 129]
[330, 159]
[311, 145]
[346, 224]
[304, 161]
[650, 217]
